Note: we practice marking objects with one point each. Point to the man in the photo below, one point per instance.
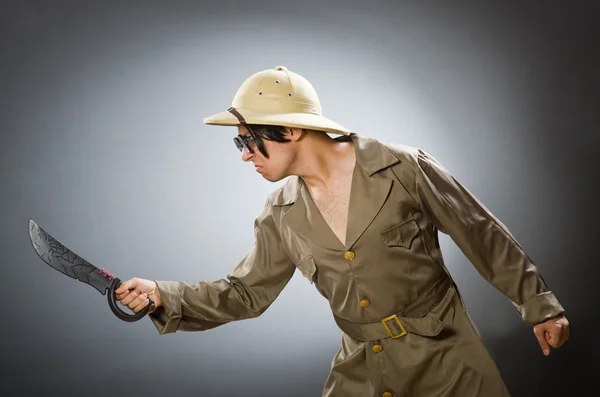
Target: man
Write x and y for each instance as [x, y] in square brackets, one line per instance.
[360, 219]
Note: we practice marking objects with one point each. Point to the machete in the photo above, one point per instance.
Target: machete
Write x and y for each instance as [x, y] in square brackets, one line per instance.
[67, 262]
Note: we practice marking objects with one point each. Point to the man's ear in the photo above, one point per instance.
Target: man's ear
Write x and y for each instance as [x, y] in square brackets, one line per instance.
[295, 133]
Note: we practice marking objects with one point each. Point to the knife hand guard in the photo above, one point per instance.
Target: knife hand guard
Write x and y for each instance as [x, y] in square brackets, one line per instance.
[112, 302]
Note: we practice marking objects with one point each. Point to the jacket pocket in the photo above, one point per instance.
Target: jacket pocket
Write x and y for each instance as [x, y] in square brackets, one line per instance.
[401, 235]
[308, 268]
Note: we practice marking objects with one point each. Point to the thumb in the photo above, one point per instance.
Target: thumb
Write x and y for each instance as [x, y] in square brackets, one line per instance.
[126, 285]
[540, 334]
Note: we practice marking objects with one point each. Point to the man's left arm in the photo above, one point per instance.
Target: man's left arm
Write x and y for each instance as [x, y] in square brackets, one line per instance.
[491, 248]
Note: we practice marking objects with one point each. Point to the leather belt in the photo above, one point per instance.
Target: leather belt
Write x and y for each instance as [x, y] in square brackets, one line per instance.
[415, 318]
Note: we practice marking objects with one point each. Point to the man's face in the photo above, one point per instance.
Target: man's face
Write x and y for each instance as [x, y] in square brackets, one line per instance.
[274, 168]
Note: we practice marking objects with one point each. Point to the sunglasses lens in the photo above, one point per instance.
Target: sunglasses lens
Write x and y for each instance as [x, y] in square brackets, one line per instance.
[238, 143]
[241, 143]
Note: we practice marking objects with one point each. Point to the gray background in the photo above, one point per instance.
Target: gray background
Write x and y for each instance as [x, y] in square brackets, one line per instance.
[101, 108]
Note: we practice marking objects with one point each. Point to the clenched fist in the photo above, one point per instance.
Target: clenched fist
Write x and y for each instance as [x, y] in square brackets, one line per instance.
[136, 292]
[554, 332]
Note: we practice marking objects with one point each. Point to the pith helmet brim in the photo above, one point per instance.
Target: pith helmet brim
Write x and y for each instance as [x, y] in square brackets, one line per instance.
[292, 120]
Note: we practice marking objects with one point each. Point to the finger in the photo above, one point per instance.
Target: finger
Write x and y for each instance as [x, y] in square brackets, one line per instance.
[123, 295]
[564, 336]
[137, 301]
[555, 335]
[142, 305]
[130, 297]
[541, 337]
[127, 285]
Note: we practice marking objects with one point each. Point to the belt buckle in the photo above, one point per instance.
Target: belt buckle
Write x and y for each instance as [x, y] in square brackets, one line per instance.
[394, 317]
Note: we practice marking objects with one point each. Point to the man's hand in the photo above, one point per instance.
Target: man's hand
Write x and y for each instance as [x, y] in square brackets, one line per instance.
[134, 293]
[553, 332]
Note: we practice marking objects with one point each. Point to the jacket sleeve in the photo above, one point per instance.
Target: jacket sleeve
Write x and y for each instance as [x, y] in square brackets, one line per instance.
[247, 292]
[484, 240]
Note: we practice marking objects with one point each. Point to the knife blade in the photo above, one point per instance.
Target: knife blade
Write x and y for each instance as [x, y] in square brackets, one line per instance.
[61, 258]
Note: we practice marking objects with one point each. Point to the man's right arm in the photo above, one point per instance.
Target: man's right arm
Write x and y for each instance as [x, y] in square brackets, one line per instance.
[247, 292]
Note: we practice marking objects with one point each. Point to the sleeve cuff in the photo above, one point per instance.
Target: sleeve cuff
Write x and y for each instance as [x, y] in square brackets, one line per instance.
[540, 308]
[167, 318]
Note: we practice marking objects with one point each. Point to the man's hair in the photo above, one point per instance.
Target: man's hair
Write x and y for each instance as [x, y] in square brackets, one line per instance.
[268, 132]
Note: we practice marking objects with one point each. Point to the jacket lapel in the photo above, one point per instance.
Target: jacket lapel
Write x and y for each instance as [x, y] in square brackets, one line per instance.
[306, 220]
[367, 195]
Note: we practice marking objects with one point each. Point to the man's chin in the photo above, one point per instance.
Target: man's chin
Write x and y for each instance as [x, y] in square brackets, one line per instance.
[271, 178]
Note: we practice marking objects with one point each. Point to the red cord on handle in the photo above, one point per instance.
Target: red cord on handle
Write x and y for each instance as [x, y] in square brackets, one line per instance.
[106, 274]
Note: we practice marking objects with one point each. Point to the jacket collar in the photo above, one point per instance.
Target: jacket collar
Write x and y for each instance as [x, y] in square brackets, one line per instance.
[371, 156]
[367, 197]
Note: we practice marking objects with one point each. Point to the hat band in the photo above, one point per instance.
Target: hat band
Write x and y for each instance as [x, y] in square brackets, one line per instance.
[237, 114]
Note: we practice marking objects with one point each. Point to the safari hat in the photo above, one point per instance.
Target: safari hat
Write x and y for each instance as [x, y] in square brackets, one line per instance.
[277, 97]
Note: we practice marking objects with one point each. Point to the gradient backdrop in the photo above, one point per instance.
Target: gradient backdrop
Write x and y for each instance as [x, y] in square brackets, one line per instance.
[101, 108]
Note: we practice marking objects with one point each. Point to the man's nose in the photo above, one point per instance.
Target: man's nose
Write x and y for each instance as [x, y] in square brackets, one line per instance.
[246, 155]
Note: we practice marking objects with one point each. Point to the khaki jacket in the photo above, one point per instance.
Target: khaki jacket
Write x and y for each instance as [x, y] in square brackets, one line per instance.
[390, 267]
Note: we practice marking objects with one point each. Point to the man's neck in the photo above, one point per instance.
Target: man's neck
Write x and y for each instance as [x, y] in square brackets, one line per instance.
[325, 161]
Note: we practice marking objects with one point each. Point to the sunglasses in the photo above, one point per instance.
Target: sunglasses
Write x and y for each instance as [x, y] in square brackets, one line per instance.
[242, 142]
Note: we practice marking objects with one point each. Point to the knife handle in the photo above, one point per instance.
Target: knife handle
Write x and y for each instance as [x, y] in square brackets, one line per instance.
[112, 302]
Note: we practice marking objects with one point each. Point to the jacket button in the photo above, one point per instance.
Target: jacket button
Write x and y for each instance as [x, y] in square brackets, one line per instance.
[377, 348]
[349, 255]
[364, 303]
[387, 394]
